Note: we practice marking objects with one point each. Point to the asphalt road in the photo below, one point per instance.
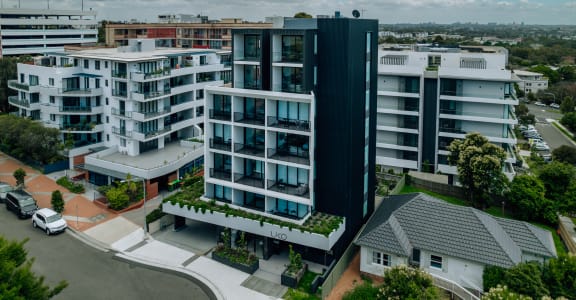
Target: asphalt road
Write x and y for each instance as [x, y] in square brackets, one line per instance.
[90, 273]
[551, 134]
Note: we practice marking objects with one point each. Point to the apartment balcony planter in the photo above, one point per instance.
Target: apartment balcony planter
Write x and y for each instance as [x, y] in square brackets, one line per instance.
[249, 267]
[309, 233]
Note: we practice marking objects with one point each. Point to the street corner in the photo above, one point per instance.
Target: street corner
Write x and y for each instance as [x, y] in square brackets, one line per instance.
[42, 183]
[83, 214]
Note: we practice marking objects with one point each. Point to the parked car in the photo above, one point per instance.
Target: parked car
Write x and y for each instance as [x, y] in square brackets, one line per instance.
[532, 135]
[539, 104]
[21, 203]
[541, 147]
[555, 105]
[4, 189]
[49, 221]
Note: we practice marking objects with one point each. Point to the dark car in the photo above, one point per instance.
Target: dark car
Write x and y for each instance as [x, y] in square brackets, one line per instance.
[21, 203]
[4, 189]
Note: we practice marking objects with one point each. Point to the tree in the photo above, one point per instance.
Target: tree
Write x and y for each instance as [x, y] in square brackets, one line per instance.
[17, 281]
[303, 15]
[57, 201]
[519, 92]
[527, 199]
[559, 275]
[565, 153]
[492, 277]
[526, 279]
[502, 292]
[567, 105]
[479, 165]
[19, 174]
[569, 120]
[402, 282]
[531, 96]
[557, 177]
[552, 75]
[118, 198]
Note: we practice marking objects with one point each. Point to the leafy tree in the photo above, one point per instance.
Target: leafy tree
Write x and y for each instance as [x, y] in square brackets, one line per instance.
[569, 120]
[502, 292]
[553, 76]
[527, 198]
[28, 140]
[526, 279]
[565, 153]
[567, 73]
[118, 198]
[479, 166]
[567, 105]
[559, 275]
[568, 203]
[17, 281]
[492, 277]
[519, 92]
[402, 282]
[19, 174]
[531, 96]
[362, 292]
[557, 177]
[57, 201]
[303, 15]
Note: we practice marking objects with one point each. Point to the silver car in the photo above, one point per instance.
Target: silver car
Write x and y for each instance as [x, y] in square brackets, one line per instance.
[4, 189]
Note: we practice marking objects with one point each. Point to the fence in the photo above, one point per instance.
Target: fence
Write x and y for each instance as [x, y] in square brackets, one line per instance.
[434, 186]
[453, 288]
[336, 272]
[567, 231]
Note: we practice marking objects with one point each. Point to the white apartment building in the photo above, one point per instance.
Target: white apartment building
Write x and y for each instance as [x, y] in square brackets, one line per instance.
[427, 97]
[39, 31]
[129, 110]
[531, 82]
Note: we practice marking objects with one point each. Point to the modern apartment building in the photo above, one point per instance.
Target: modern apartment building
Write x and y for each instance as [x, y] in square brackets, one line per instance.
[131, 110]
[39, 31]
[531, 82]
[293, 140]
[429, 96]
[212, 35]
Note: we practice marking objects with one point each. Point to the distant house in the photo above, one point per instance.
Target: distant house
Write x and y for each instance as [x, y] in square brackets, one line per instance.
[531, 82]
[449, 241]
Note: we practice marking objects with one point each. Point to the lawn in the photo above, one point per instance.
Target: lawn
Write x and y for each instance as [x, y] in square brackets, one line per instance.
[303, 290]
[493, 210]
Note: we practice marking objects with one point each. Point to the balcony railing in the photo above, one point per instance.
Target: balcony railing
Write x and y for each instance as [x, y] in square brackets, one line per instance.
[220, 144]
[218, 114]
[452, 130]
[280, 186]
[76, 108]
[14, 100]
[291, 154]
[293, 88]
[289, 56]
[119, 93]
[118, 74]
[152, 133]
[286, 123]
[249, 84]
[221, 174]
[254, 179]
[79, 91]
[155, 94]
[121, 131]
[476, 95]
[17, 85]
[78, 126]
[153, 114]
[121, 113]
[253, 119]
[255, 150]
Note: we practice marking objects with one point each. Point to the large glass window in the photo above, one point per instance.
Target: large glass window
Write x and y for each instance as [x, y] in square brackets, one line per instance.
[251, 77]
[222, 162]
[254, 109]
[292, 48]
[222, 193]
[292, 80]
[252, 46]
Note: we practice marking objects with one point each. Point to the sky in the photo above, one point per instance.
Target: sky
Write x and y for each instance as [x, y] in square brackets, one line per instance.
[547, 12]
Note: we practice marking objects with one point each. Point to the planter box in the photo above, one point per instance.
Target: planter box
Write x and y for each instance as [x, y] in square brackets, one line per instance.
[291, 281]
[250, 269]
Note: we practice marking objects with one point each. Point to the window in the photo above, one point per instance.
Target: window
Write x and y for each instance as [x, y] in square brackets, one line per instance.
[107, 119]
[97, 65]
[33, 79]
[436, 261]
[106, 82]
[105, 65]
[107, 137]
[379, 258]
[97, 82]
[106, 100]
[122, 142]
[53, 117]
[86, 64]
[52, 99]
[51, 81]
[199, 94]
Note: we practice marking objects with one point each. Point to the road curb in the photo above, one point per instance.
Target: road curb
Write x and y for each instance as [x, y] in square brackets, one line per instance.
[88, 240]
[206, 285]
[555, 123]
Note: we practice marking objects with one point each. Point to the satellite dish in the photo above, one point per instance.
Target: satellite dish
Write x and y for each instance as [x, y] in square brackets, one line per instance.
[356, 13]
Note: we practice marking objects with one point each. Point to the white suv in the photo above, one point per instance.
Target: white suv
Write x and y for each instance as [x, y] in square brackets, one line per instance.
[49, 221]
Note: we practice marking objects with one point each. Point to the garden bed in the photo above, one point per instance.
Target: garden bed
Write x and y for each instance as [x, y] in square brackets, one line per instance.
[237, 259]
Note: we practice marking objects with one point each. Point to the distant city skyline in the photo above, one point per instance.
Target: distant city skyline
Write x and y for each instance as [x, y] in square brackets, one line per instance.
[546, 12]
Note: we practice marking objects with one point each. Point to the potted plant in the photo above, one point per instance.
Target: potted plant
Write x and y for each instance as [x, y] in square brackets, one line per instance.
[294, 270]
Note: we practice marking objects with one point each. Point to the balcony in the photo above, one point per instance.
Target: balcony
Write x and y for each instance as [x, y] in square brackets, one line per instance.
[291, 154]
[141, 96]
[218, 114]
[250, 118]
[145, 116]
[474, 115]
[121, 113]
[122, 132]
[300, 190]
[254, 179]
[71, 92]
[119, 74]
[248, 84]
[286, 123]
[78, 109]
[292, 88]
[221, 174]
[120, 93]
[17, 102]
[289, 56]
[89, 127]
[220, 144]
[142, 76]
[248, 149]
[495, 98]
[144, 135]
[14, 84]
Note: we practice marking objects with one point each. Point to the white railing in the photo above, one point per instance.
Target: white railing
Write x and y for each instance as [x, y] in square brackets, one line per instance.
[453, 288]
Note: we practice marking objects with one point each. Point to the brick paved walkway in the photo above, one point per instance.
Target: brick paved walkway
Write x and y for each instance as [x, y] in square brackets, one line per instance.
[79, 211]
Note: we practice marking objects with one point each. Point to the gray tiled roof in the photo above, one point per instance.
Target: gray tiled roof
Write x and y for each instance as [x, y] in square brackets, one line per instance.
[424, 222]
